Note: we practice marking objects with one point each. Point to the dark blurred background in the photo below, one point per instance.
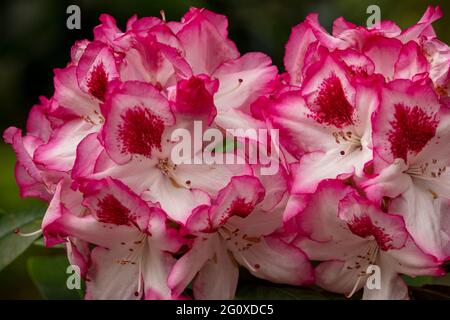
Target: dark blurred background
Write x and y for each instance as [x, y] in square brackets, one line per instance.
[34, 40]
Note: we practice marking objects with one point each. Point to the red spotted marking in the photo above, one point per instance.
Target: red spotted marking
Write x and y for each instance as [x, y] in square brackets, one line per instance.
[98, 82]
[358, 71]
[240, 208]
[140, 132]
[333, 107]
[110, 210]
[412, 129]
[363, 227]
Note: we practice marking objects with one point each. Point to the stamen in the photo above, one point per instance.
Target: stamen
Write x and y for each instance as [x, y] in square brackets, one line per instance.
[428, 171]
[349, 149]
[169, 170]
[374, 253]
[350, 141]
[248, 264]
[358, 280]
[163, 15]
[134, 256]
[225, 233]
[371, 258]
[240, 81]
[237, 241]
[434, 194]
[139, 277]
[19, 233]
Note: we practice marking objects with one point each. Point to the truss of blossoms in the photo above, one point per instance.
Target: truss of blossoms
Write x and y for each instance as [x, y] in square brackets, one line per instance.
[363, 116]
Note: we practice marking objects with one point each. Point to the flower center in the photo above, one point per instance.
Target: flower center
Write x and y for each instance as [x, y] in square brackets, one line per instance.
[95, 118]
[98, 82]
[168, 169]
[331, 105]
[237, 242]
[430, 170]
[411, 130]
[349, 140]
[141, 132]
[361, 263]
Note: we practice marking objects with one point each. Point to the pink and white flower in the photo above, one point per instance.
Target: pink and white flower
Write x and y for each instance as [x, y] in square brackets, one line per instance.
[350, 234]
[237, 229]
[362, 175]
[326, 124]
[411, 133]
[133, 245]
[138, 145]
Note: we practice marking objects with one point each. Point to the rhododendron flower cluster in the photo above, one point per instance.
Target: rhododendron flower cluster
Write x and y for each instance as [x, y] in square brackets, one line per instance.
[364, 127]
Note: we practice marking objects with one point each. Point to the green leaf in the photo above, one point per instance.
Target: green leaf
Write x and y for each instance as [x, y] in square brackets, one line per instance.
[443, 281]
[10, 222]
[49, 274]
[418, 281]
[430, 292]
[427, 287]
[427, 280]
[40, 243]
[277, 292]
[11, 244]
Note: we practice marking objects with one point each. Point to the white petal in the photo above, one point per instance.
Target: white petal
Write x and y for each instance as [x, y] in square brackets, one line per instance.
[218, 278]
[108, 279]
